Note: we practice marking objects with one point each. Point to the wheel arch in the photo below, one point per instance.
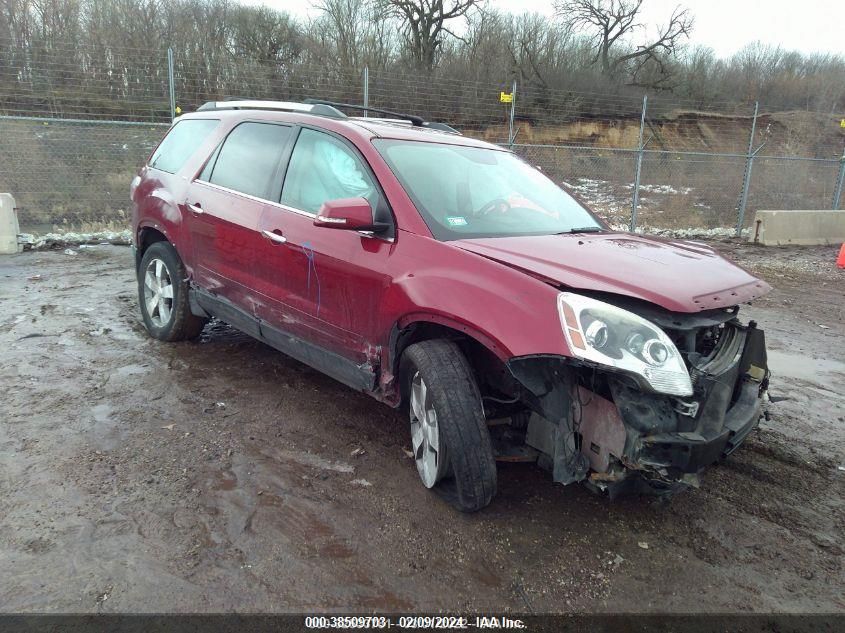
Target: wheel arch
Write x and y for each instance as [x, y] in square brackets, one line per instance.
[485, 355]
[147, 236]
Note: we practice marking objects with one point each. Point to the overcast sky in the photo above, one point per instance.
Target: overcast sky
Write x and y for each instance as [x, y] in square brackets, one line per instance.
[724, 25]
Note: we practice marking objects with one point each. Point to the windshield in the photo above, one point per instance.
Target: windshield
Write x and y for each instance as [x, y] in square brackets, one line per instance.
[466, 192]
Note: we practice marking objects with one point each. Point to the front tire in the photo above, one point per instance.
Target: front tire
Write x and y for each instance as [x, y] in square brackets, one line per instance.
[449, 436]
[163, 295]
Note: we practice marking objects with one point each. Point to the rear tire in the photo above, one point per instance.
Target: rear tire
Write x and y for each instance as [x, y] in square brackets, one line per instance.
[440, 387]
[163, 295]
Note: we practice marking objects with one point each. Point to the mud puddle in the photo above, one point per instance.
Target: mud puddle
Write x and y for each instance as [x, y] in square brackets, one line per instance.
[829, 373]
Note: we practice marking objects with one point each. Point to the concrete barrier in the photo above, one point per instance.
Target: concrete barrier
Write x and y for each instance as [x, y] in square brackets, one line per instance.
[9, 228]
[803, 228]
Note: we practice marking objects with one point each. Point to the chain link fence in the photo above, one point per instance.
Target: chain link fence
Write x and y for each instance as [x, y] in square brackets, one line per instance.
[72, 135]
[72, 174]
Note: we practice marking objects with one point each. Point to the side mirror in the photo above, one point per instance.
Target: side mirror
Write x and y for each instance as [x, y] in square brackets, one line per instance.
[351, 214]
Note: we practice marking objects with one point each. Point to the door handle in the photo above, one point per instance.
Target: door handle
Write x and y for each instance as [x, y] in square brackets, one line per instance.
[274, 237]
[196, 208]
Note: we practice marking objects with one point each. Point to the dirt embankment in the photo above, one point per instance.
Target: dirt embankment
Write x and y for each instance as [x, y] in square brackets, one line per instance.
[806, 134]
[220, 475]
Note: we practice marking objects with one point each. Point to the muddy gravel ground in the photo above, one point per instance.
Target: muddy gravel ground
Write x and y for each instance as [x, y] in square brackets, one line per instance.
[220, 475]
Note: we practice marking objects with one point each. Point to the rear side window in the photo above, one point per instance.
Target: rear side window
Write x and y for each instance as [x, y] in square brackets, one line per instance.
[249, 157]
[180, 143]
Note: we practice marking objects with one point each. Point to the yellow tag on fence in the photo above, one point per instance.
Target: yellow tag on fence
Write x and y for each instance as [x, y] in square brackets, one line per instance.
[506, 97]
[842, 124]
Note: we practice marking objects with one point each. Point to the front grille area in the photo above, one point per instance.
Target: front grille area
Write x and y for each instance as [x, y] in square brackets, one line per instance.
[724, 355]
[708, 348]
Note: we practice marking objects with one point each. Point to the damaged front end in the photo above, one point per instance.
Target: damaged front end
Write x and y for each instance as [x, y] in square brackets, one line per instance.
[633, 421]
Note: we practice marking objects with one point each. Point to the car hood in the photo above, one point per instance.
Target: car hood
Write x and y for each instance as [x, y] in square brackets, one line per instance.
[677, 275]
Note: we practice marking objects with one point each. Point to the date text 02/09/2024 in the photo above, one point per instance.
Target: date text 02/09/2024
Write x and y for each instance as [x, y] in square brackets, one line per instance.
[413, 622]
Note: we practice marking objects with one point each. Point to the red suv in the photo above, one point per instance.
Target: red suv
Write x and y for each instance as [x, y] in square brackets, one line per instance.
[446, 276]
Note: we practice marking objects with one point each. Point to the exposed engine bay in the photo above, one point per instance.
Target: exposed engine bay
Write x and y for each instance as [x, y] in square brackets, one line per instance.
[619, 431]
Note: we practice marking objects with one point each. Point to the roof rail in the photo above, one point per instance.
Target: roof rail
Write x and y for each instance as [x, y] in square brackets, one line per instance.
[432, 125]
[318, 109]
[443, 127]
[414, 120]
[328, 109]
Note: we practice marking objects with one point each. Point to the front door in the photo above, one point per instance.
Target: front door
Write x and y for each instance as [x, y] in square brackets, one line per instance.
[324, 285]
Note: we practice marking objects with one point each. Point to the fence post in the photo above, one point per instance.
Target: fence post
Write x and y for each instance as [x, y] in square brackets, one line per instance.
[366, 89]
[511, 137]
[840, 180]
[749, 163]
[172, 83]
[640, 147]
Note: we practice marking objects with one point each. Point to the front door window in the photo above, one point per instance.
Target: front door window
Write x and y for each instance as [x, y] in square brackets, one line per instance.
[323, 168]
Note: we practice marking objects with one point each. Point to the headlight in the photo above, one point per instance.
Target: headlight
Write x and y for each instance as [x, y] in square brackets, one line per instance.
[604, 334]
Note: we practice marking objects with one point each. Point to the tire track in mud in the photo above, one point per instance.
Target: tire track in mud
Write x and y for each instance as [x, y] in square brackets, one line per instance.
[780, 520]
[772, 482]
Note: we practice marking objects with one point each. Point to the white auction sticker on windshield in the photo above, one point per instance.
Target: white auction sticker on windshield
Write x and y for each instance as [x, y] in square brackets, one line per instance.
[456, 221]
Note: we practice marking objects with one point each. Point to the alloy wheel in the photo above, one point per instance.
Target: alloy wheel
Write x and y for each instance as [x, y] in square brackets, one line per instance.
[158, 293]
[426, 443]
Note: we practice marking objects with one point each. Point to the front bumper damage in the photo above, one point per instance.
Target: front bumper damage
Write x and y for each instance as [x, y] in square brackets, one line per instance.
[602, 428]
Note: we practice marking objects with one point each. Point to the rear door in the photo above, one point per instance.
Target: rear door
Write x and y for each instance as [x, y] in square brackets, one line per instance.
[323, 285]
[225, 204]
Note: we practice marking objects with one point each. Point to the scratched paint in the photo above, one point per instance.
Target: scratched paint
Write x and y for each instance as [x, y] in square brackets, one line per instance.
[312, 272]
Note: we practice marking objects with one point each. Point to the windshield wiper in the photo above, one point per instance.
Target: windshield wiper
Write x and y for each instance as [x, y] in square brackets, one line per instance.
[582, 229]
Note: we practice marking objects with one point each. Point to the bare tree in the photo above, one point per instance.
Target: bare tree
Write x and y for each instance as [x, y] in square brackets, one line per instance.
[539, 49]
[107, 57]
[353, 32]
[264, 35]
[345, 21]
[612, 22]
[425, 24]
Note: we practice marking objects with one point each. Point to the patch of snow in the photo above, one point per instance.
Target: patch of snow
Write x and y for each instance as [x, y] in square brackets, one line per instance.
[664, 189]
[48, 240]
[613, 203]
[685, 234]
